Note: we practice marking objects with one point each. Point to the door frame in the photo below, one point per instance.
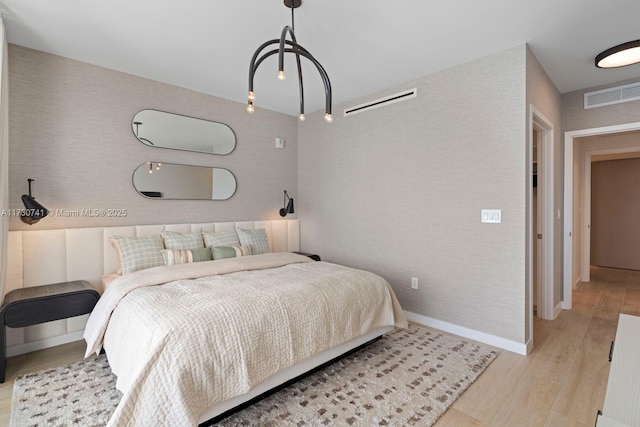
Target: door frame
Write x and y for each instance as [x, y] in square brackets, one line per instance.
[544, 126]
[569, 137]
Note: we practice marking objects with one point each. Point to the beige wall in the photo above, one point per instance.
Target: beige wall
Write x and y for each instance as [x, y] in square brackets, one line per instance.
[575, 117]
[615, 214]
[70, 130]
[398, 190]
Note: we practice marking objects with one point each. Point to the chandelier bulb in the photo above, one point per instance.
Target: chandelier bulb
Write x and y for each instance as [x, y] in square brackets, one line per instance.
[328, 118]
[251, 96]
[250, 108]
[281, 75]
[301, 117]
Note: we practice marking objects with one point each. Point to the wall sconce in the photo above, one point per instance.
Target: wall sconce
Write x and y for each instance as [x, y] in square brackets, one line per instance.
[287, 207]
[34, 211]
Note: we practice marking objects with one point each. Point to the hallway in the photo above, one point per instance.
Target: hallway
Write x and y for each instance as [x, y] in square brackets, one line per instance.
[562, 382]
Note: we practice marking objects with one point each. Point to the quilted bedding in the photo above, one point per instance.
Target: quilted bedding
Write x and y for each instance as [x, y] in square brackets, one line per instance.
[182, 338]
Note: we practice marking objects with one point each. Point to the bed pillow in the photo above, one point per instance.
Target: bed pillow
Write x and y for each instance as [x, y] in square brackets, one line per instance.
[222, 252]
[175, 240]
[185, 256]
[221, 238]
[257, 239]
[137, 253]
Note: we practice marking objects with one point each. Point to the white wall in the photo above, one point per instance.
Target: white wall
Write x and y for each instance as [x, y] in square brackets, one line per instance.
[398, 190]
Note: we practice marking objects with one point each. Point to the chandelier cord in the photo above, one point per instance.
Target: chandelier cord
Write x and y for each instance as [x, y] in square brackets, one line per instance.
[293, 24]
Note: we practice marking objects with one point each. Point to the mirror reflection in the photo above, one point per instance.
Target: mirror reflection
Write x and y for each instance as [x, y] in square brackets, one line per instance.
[185, 182]
[167, 130]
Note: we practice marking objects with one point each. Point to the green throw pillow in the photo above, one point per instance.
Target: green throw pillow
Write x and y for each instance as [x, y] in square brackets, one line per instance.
[222, 252]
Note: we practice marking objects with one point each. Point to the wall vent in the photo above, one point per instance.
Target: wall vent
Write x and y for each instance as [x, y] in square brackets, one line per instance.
[381, 102]
[612, 95]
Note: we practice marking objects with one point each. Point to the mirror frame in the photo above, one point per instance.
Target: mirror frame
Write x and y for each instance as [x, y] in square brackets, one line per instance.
[182, 164]
[235, 137]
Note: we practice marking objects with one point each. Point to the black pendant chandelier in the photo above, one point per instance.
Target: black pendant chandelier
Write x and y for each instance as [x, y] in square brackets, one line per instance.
[289, 46]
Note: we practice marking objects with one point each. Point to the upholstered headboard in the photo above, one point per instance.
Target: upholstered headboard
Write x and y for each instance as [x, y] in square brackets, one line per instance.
[50, 256]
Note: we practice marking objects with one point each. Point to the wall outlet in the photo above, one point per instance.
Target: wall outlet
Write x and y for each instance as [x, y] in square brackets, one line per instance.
[414, 283]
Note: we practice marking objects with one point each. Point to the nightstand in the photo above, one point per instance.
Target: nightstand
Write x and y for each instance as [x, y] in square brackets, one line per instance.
[39, 304]
[312, 256]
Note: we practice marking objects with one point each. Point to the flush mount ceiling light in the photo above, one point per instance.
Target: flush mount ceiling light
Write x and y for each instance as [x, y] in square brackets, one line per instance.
[289, 46]
[619, 56]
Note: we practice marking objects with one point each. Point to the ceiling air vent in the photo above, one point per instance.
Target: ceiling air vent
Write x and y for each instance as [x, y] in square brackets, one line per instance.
[381, 102]
[612, 95]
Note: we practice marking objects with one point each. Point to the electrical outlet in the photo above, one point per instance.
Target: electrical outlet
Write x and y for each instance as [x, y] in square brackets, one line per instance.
[414, 283]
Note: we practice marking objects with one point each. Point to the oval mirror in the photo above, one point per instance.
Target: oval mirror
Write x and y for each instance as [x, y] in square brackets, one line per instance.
[167, 130]
[185, 182]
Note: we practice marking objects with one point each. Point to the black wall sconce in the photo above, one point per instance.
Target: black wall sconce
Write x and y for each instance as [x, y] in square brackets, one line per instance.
[34, 211]
[287, 207]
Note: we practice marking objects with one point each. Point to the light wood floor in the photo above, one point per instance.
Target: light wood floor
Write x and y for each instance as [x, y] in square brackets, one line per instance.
[561, 383]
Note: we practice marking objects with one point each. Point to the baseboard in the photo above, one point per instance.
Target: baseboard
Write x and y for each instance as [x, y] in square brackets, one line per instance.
[575, 284]
[557, 309]
[493, 340]
[45, 343]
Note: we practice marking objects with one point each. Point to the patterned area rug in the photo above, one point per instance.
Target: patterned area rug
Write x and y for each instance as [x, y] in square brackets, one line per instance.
[409, 377]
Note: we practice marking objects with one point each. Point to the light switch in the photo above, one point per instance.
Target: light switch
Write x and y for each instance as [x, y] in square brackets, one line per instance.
[493, 216]
[279, 142]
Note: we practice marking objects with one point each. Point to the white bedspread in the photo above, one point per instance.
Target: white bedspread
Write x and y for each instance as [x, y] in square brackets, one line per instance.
[216, 329]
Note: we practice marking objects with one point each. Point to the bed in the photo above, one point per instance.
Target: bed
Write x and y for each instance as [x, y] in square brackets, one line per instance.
[190, 342]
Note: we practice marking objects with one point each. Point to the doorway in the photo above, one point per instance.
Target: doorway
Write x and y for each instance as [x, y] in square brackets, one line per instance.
[591, 155]
[568, 250]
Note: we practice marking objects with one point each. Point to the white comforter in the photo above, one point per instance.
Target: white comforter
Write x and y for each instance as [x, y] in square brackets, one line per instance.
[214, 330]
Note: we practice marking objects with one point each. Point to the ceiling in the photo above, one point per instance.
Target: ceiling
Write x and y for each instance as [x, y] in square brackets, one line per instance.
[365, 45]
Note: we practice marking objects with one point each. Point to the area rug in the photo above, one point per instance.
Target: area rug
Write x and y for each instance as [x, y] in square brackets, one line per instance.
[409, 377]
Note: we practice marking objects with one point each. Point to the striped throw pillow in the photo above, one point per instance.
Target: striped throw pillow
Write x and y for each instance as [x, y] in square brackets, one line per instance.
[185, 256]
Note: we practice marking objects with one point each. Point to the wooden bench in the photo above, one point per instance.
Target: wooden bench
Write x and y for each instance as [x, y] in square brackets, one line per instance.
[39, 304]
